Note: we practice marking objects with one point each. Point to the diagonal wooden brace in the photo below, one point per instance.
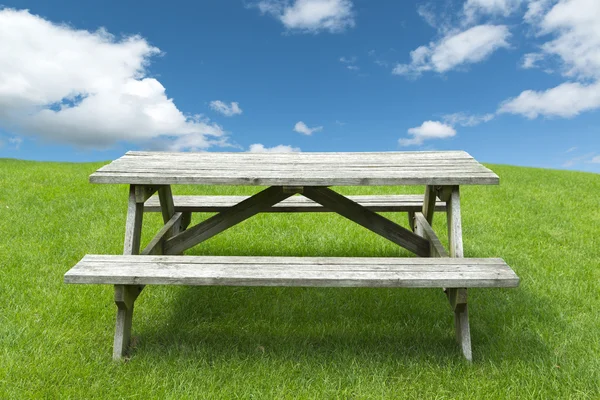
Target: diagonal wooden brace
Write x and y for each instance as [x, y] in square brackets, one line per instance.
[225, 220]
[367, 218]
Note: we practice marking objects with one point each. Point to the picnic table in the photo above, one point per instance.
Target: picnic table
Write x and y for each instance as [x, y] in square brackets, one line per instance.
[295, 182]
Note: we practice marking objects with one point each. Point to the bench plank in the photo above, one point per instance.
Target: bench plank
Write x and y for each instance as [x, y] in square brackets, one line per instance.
[376, 203]
[293, 271]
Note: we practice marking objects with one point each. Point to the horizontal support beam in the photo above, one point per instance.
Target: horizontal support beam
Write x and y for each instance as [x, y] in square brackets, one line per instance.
[376, 203]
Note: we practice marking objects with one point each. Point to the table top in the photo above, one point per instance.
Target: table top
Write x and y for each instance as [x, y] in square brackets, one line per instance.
[297, 169]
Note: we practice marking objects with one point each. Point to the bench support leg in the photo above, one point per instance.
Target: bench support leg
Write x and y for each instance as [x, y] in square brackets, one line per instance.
[125, 296]
[458, 301]
[457, 297]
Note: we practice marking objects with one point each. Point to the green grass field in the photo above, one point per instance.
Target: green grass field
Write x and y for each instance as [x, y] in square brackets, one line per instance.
[541, 340]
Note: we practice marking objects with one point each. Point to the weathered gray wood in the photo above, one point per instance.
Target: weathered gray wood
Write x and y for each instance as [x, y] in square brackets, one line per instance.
[92, 258]
[454, 223]
[133, 225]
[125, 296]
[368, 219]
[165, 197]
[155, 247]
[293, 271]
[411, 220]
[143, 192]
[224, 220]
[186, 220]
[167, 209]
[444, 192]
[426, 231]
[299, 169]
[458, 301]
[461, 310]
[376, 203]
[429, 202]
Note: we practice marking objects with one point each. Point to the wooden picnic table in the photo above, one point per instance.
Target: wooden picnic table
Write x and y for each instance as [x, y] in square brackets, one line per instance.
[286, 175]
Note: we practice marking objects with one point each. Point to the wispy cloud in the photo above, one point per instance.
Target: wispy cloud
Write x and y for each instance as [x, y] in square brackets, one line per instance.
[427, 131]
[456, 49]
[464, 119]
[477, 8]
[311, 16]
[259, 148]
[227, 110]
[350, 63]
[565, 100]
[531, 60]
[301, 127]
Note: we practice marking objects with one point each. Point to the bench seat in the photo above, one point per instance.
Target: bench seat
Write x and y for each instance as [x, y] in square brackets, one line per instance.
[376, 203]
[293, 271]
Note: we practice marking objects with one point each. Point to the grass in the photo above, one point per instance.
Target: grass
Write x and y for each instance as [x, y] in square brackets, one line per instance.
[541, 340]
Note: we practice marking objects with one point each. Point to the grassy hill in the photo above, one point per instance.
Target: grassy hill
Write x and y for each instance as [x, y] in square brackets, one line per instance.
[540, 340]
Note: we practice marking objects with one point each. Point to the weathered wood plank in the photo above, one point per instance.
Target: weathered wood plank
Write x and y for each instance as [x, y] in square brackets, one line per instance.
[224, 220]
[262, 271]
[376, 203]
[301, 169]
[293, 261]
[166, 178]
[368, 219]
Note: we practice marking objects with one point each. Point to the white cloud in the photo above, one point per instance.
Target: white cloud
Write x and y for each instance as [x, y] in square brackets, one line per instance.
[456, 49]
[301, 127]
[474, 8]
[311, 16]
[350, 63]
[536, 10]
[348, 60]
[565, 100]
[428, 130]
[426, 12]
[463, 119]
[85, 88]
[227, 110]
[16, 141]
[576, 25]
[259, 148]
[530, 60]
[595, 160]
[575, 30]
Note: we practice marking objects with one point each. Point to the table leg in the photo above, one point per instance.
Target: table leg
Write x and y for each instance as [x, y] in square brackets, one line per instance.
[125, 295]
[458, 296]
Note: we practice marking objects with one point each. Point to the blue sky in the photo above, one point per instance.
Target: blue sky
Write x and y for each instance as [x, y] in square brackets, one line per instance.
[509, 81]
